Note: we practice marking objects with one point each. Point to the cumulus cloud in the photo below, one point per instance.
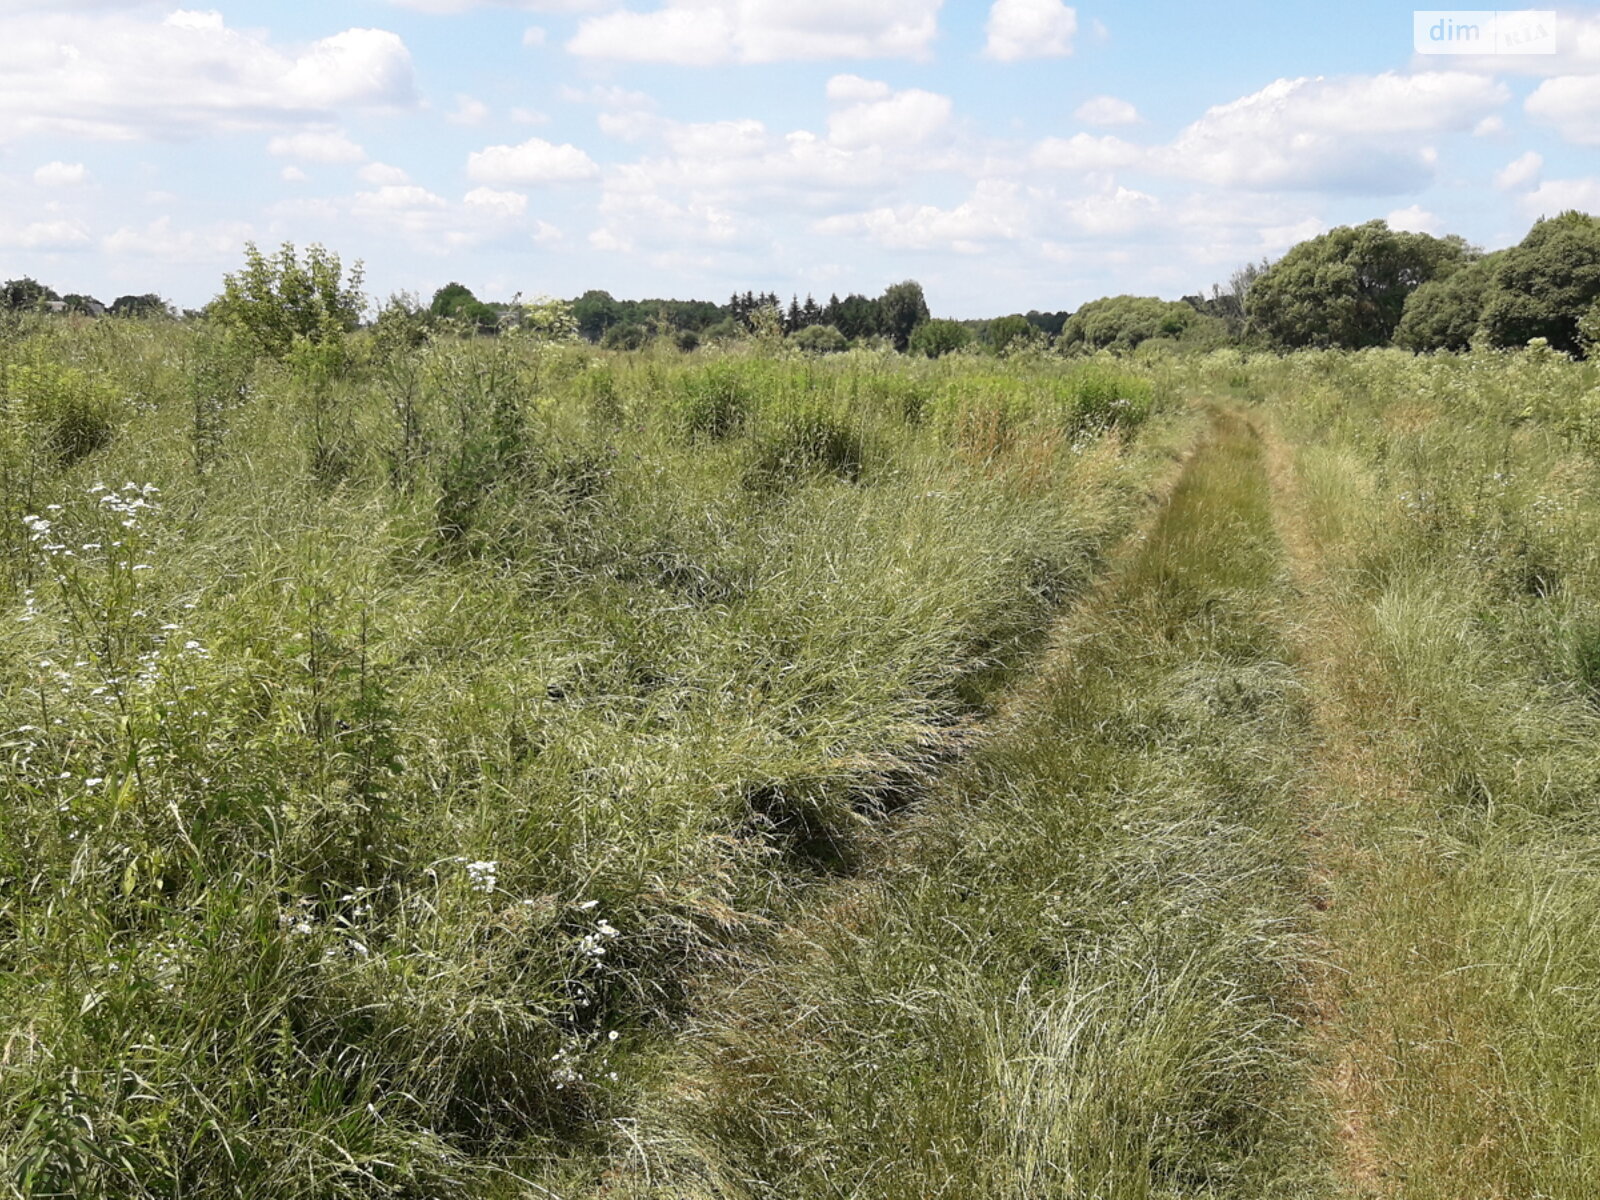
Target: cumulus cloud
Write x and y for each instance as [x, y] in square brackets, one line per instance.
[469, 110]
[897, 119]
[534, 161]
[997, 210]
[162, 239]
[1519, 172]
[293, 175]
[60, 175]
[505, 204]
[382, 175]
[1358, 134]
[704, 32]
[1558, 195]
[1413, 219]
[1106, 110]
[128, 75]
[320, 146]
[45, 235]
[1020, 29]
[1571, 103]
[1085, 152]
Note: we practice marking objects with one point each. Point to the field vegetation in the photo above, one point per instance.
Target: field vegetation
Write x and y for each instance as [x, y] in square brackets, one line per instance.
[554, 750]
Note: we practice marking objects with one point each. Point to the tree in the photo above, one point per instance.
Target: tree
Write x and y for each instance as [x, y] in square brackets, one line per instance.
[901, 308]
[625, 337]
[455, 302]
[1542, 286]
[934, 338]
[279, 300]
[1443, 314]
[819, 339]
[84, 305]
[1347, 287]
[26, 293]
[147, 305]
[1013, 331]
[857, 317]
[596, 312]
[1123, 322]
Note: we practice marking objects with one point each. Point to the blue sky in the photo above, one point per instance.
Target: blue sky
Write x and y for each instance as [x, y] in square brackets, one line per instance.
[1009, 155]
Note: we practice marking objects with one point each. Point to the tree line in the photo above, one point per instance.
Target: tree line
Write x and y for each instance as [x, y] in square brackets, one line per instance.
[1349, 288]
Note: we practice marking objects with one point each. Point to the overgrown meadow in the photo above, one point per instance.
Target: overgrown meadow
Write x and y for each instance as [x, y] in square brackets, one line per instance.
[392, 735]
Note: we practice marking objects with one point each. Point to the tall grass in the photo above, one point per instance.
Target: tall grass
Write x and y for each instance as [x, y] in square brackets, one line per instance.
[1449, 511]
[1077, 972]
[388, 743]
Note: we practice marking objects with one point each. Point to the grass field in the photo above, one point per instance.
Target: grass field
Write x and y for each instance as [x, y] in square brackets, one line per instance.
[501, 769]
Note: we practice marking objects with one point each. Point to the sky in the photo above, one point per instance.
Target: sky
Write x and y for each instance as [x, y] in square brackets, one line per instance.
[1013, 155]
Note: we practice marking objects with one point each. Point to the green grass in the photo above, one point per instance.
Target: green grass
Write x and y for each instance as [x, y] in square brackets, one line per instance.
[1077, 972]
[377, 792]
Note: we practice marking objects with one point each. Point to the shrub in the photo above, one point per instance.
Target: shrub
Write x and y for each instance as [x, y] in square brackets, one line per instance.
[819, 339]
[939, 337]
[811, 443]
[714, 402]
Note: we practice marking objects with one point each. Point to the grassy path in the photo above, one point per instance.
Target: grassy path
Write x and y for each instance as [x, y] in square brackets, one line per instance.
[1079, 972]
[1449, 794]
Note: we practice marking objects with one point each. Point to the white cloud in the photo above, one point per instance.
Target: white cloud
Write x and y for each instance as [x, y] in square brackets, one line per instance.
[1519, 172]
[1085, 152]
[320, 146]
[1359, 134]
[852, 89]
[124, 75]
[703, 32]
[1490, 126]
[60, 174]
[1558, 195]
[293, 175]
[996, 211]
[469, 110]
[452, 7]
[1571, 103]
[534, 161]
[382, 175]
[189, 244]
[504, 204]
[1114, 210]
[545, 233]
[1106, 110]
[902, 119]
[1029, 29]
[534, 35]
[45, 235]
[1413, 219]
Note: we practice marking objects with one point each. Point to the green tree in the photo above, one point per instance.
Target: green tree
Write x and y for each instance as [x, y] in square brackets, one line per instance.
[901, 308]
[1589, 329]
[1443, 314]
[935, 338]
[1123, 322]
[596, 312]
[625, 337]
[455, 302]
[1347, 287]
[1543, 285]
[26, 293]
[147, 305]
[818, 339]
[857, 317]
[1015, 331]
[279, 300]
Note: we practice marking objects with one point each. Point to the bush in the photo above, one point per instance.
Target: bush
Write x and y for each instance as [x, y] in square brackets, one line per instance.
[812, 443]
[938, 337]
[74, 412]
[714, 402]
[624, 337]
[819, 339]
